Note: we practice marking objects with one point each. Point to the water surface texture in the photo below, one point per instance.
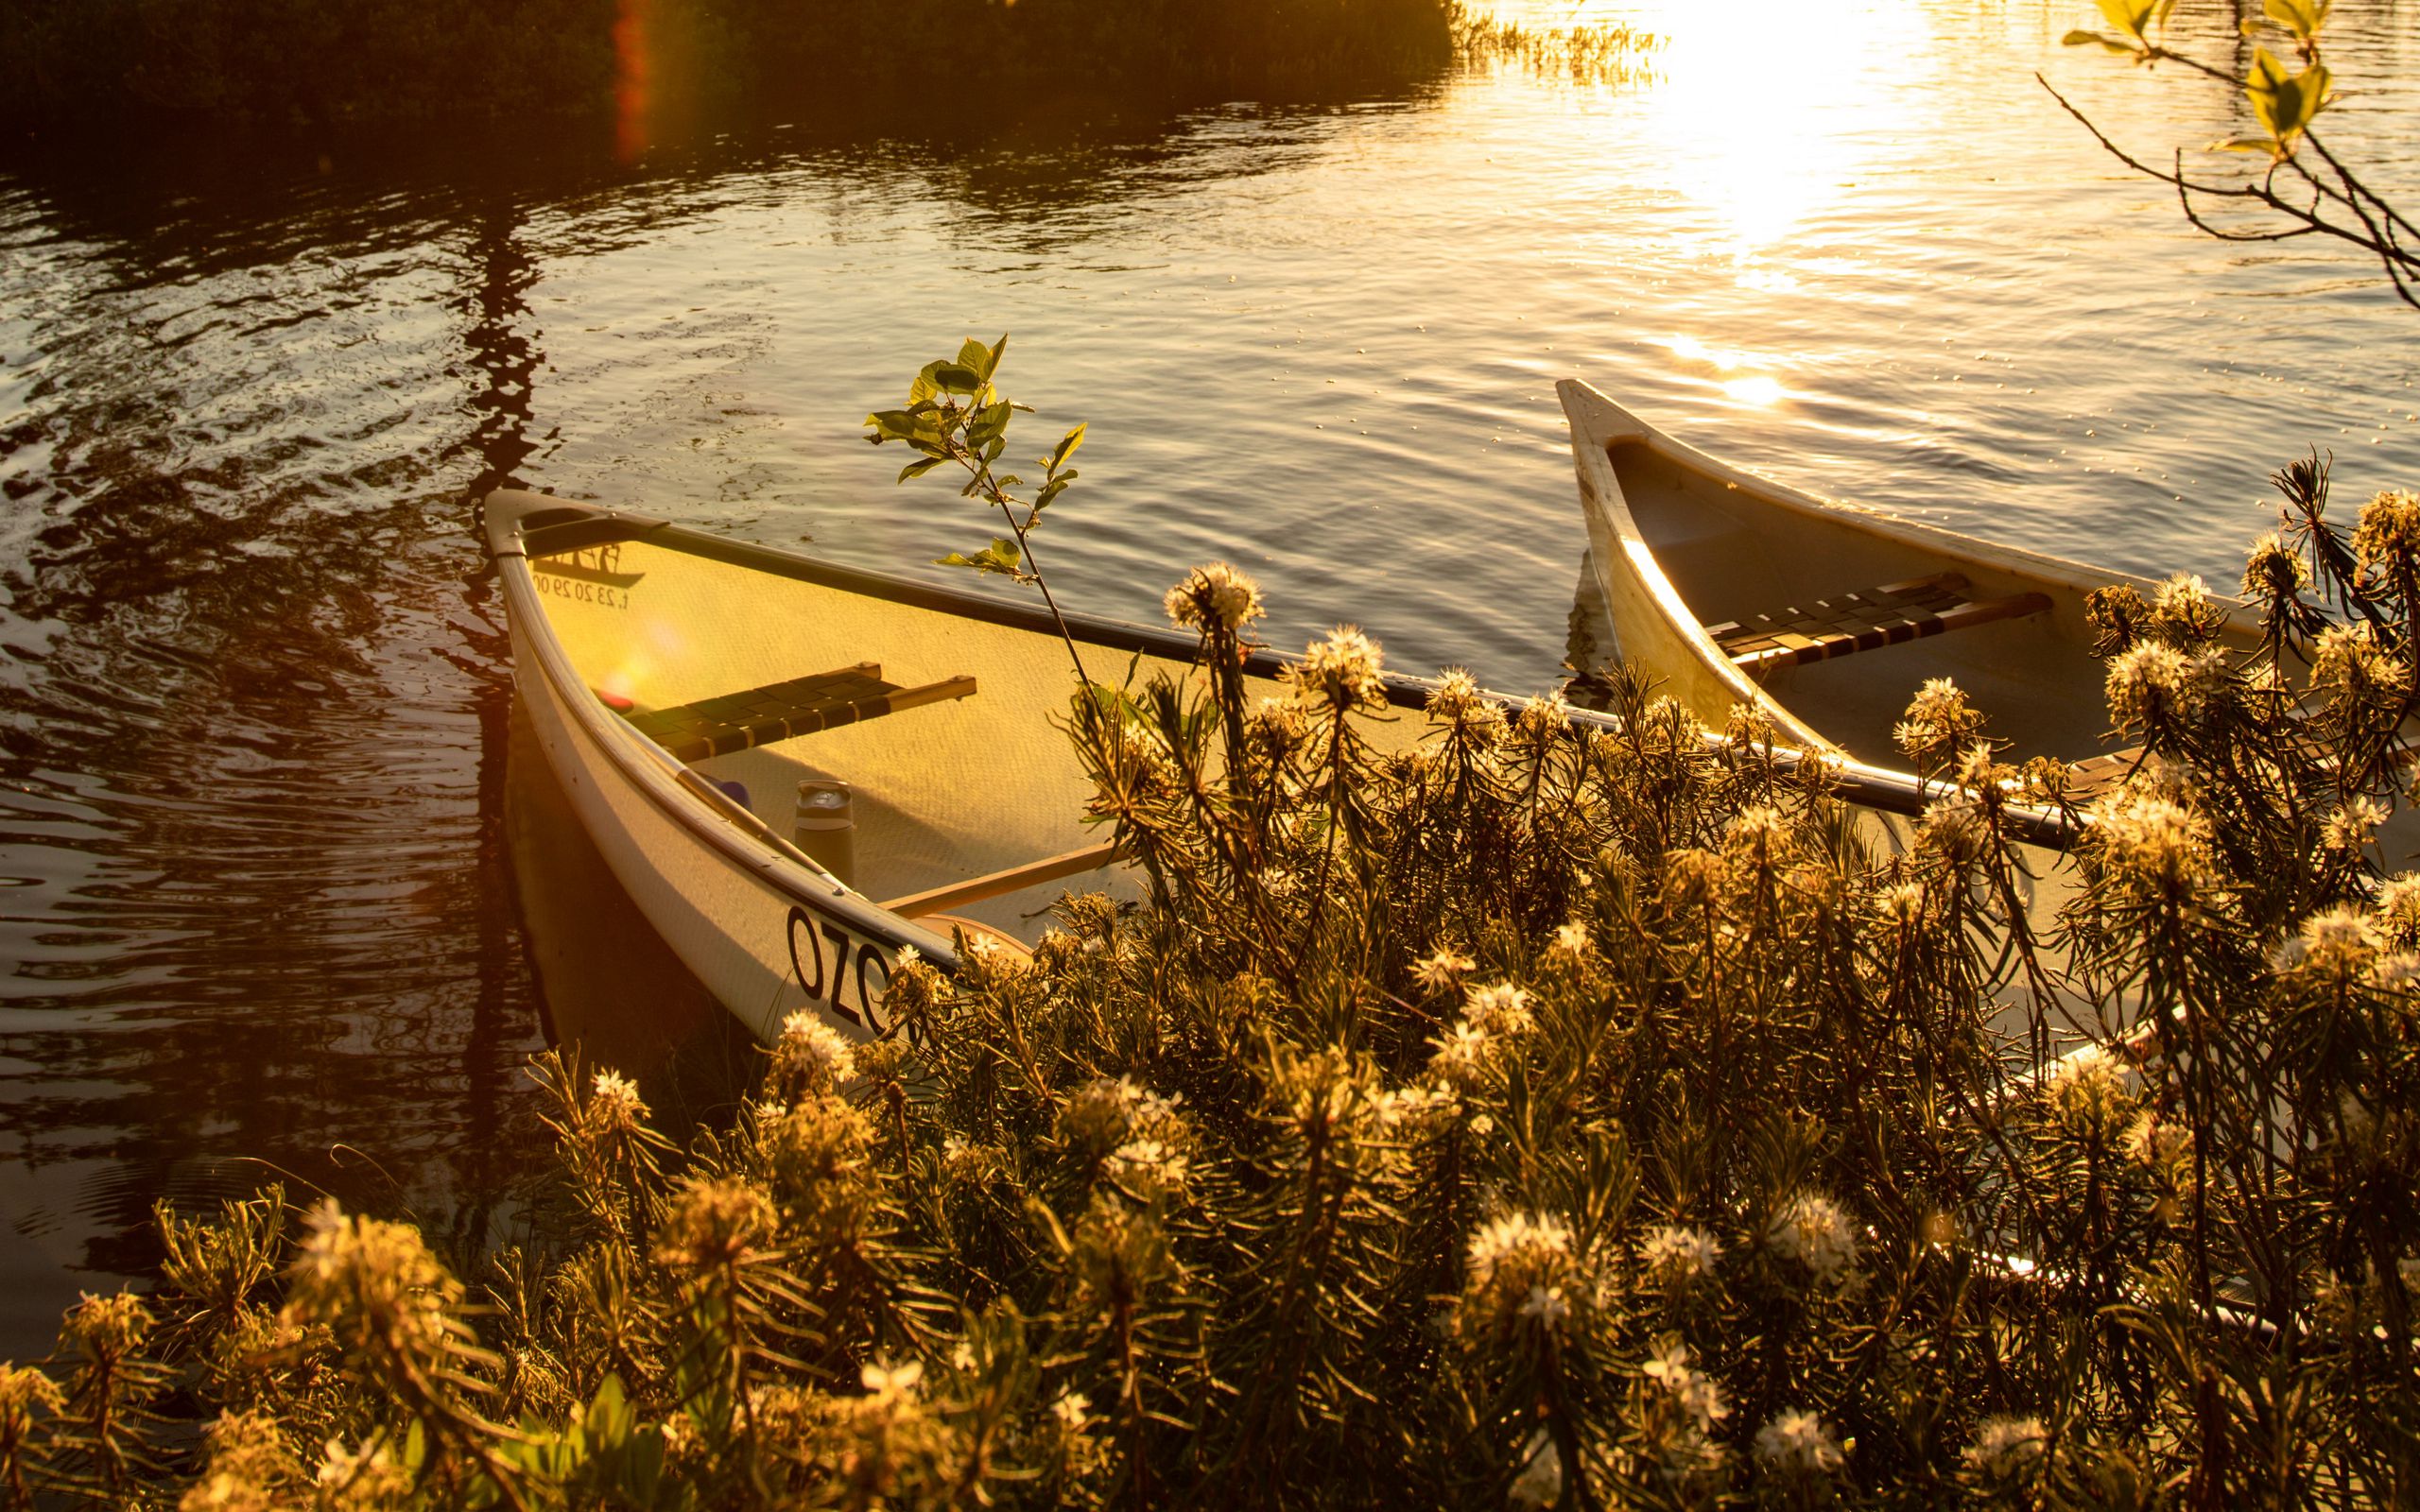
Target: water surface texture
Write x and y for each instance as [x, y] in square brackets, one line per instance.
[256, 825]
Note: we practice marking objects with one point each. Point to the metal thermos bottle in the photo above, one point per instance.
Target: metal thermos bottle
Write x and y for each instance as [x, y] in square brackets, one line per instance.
[825, 828]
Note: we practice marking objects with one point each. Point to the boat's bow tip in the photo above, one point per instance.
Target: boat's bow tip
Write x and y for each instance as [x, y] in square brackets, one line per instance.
[1597, 416]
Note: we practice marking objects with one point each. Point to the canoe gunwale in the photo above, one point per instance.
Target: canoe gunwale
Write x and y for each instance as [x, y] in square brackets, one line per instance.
[755, 849]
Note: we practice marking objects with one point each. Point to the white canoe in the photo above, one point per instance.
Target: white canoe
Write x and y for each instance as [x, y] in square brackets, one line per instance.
[681, 685]
[1735, 589]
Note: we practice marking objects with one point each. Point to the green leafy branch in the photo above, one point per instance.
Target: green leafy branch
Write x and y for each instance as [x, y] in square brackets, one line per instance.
[955, 415]
[2328, 199]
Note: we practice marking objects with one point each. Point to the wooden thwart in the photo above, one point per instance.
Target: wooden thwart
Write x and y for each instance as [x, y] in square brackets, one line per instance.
[975, 889]
[778, 710]
[1865, 620]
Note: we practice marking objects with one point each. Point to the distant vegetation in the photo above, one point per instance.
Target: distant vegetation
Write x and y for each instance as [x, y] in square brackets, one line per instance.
[282, 59]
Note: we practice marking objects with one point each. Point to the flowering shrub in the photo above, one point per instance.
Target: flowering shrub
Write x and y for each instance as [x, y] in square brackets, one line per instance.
[1559, 1114]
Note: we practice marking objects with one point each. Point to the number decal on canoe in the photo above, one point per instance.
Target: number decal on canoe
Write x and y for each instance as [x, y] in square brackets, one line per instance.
[831, 976]
[867, 956]
[798, 967]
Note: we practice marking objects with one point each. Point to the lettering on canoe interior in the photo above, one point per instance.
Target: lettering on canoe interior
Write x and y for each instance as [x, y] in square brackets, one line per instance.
[592, 574]
[838, 969]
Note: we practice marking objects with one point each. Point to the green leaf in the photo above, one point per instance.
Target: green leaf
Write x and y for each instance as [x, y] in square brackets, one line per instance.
[991, 364]
[918, 469]
[2141, 22]
[923, 387]
[973, 356]
[2285, 103]
[2087, 38]
[955, 378]
[893, 426]
[1000, 557]
[2303, 18]
[1066, 448]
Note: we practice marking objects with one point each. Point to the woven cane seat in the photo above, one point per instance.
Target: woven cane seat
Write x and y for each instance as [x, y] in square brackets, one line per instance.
[1865, 620]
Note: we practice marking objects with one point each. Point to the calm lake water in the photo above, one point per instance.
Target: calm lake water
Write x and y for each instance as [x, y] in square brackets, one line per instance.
[260, 798]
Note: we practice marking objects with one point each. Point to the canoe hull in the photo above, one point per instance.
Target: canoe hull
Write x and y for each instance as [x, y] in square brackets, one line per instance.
[1682, 541]
[761, 947]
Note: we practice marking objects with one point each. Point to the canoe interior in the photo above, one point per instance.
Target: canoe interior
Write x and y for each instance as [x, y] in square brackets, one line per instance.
[1732, 555]
[941, 793]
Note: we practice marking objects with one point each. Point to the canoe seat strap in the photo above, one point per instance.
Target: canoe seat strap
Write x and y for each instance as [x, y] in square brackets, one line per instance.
[991, 885]
[1863, 620]
[759, 716]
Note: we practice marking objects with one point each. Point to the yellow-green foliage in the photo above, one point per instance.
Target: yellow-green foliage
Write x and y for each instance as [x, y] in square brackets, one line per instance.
[1563, 1114]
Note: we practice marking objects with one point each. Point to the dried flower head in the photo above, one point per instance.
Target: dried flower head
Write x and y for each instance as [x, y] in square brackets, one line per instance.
[2087, 1089]
[1902, 903]
[2335, 942]
[1543, 719]
[2387, 539]
[373, 1284]
[1147, 1169]
[1441, 968]
[2397, 911]
[1459, 702]
[2153, 686]
[2157, 1143]
[891, 1381]
[1571, 938]
[1939, 724]
[2349, 662]
[2150, 842]
[2005, 1447]
[1341, 674]
[810, 1057]
[1798, 1443]
[2274, 570]
[2186, 611]
[1217, 594]
[713, 1223]
[2349, 828]
[613, 1104]
[1811, 1230]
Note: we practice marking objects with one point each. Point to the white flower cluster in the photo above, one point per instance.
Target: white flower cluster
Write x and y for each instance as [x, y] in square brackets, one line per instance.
[1216, 592]
[1441, 968]
[811, 1055]
[1345, 672]
[1516, 1239]
[1678, 1254]
[1811, 1230]
[1498, 1007]
[1798, 1442]
[1696, 1393]
[2086, 1088]
[1109, 1113]
[2005, 1446]
[614, 1103]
